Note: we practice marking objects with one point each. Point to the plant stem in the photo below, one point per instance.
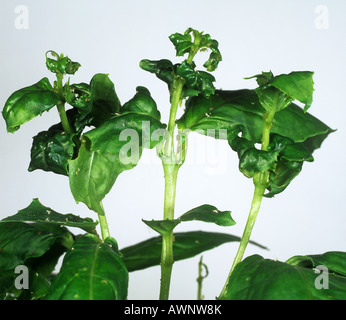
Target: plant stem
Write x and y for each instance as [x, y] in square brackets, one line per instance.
[255, 206]
[104, 226]
[200, 278]
[260, 181]
[171, 169]
[61, 106]
[171, 164]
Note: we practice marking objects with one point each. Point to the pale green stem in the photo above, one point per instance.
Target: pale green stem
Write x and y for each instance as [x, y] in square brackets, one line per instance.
[171, 172]
[260, 182]
[61, 106]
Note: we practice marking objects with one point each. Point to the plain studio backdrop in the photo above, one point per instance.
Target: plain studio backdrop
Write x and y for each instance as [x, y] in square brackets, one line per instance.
[112, 37]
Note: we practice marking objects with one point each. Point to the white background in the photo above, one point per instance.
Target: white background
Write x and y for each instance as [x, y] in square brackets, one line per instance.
[254, 36]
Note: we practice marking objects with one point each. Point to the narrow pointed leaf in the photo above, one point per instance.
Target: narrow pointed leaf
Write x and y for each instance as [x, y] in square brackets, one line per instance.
[186, 245]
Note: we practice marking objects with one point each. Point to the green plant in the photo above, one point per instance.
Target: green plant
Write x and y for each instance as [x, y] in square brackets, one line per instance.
[98, 138]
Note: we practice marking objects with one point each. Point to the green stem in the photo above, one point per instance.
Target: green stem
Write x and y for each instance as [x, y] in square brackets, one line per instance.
[255, 206]
[260, 181]
[103, 224]
[61, 106]
[171, 173]
[200, 278]
[171, 169]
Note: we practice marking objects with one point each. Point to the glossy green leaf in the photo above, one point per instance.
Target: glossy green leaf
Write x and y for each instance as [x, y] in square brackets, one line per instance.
[142, 103]
[208, 213]
[276, 93]
[241, 110]
[181, 42]
[298, 85]
[205, 213]
[36, 212]
[335, 261]
[21, 241]
[162, 226]
[284, 173]
[91, 270]
[78, 95]
[257, 278]
[51, 150]
[113, 147]
[94, 104]
[252, 160]
[185, 44]
[60, 63]
[273, 99]
[105, 102]
[196, 81]
[27, 103]
[186, 245]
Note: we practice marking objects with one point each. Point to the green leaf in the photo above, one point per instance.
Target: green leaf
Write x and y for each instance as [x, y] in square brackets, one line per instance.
[273, 99]
[184, 44]
[241, 110]
[106, 152]
[105, 102]
[27, 103]
[162, 226]
[36, 212]
[181, 42]
[298, 85]
[91, 270]
[284, 173]
[335, 261]
[257, 278]
[252, 160]
[78, 95]
[196, 81]
[51, 150]
[163, 69]
[61, 64]
[21, 241]
[94, 104]
[276, 93]
[142, 103]
[205, 213]
[208, 213]
[186, 245]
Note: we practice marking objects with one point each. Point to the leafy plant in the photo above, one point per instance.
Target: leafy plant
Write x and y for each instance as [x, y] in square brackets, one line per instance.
[98, 138]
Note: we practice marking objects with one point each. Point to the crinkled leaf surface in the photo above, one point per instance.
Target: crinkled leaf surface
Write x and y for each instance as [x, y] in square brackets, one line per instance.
[256, 278]
[51, 150]
[238, 115]
[36, 212]
[186, 245]
[91, 270]
[27, 103]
